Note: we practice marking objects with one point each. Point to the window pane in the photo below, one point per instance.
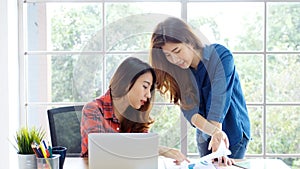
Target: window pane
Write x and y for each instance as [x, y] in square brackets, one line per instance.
[294, 162]
[69, 25]
[250, 69]
[129, 25]
[117, 11]
[192, 144]
[36, 28]
[283, 26]
[256, 121]
[37, 82]
[64, 78]
[283, 124]
[167, 125]
[132, 37]
[239, 26]
[76, 78]
[88, 77]
[283, 78]
[37, 116]
[73, 24]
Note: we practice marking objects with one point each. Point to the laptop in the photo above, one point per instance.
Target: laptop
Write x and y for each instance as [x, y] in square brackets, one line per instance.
[123, 150]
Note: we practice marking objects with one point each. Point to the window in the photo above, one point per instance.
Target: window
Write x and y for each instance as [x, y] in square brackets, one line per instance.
[71, 49]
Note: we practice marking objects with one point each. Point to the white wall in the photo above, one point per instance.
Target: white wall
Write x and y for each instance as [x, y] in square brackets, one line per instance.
[9, 83]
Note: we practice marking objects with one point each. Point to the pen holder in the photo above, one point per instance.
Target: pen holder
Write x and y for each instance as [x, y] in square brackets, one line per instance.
[48, 163]
[62, 152]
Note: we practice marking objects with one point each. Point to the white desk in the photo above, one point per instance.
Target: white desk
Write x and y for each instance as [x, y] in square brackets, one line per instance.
[249, 164]
[82, 163]
[264, 164]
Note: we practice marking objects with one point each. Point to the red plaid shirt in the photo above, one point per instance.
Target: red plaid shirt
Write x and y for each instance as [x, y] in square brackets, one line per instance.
[97, 117]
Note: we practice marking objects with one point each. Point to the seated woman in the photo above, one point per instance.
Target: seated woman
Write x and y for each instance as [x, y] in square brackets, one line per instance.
[125, 107]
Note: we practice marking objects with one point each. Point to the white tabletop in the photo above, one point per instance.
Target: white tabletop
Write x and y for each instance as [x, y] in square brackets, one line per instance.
[164, 163]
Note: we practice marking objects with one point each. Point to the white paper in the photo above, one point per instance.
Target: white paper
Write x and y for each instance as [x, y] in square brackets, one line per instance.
[222, 151]
[202, 163]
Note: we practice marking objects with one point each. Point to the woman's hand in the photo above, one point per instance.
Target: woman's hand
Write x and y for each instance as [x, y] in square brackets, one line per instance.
[225, 160]
[217, 137]
[173, 153]
[214, 129]
[215, 142]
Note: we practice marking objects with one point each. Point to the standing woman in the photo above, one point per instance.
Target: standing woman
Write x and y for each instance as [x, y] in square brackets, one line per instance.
[203, 80]
[125, 107]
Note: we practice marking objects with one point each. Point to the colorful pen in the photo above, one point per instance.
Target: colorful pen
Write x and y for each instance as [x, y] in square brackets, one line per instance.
[50, 149]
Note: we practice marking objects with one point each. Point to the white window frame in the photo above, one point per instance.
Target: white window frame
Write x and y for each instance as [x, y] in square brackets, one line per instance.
[23, 65]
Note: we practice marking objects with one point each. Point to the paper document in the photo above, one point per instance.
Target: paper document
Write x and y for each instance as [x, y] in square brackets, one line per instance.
[206, 161]
[222, 151]
[202, 163]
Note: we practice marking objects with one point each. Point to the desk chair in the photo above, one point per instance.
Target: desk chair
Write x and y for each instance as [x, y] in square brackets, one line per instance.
[64, 123]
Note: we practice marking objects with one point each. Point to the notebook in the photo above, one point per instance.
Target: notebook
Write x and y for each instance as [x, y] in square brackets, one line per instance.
[123, 150]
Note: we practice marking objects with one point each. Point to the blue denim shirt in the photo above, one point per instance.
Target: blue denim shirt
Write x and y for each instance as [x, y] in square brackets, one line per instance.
[220, 93]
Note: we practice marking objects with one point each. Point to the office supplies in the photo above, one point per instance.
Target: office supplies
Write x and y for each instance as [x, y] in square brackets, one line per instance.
[44, 143]
[43, 151]
[48, 163]
[36, 150]
[50, 149]
[123, 150]
[45, 148]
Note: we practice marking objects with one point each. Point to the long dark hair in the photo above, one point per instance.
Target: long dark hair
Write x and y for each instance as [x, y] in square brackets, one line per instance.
[179, 82]
[122, 81]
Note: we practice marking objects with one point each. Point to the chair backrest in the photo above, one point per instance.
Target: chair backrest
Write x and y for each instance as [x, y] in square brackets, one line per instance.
[64, 123]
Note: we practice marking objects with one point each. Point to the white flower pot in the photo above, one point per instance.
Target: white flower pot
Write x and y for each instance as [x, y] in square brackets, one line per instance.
[27, 161]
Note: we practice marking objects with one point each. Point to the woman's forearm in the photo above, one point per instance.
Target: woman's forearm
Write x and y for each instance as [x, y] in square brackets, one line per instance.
[162, 150]
[208, 127]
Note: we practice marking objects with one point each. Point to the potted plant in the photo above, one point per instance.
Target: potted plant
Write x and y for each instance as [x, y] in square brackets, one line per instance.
[24, 137]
